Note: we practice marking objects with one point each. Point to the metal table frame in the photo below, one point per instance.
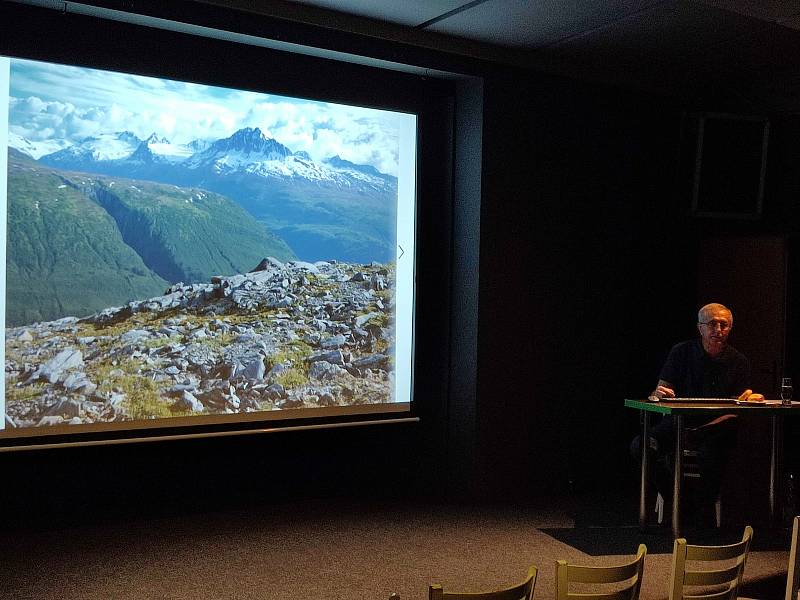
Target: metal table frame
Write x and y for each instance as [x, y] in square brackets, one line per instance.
[678, 410]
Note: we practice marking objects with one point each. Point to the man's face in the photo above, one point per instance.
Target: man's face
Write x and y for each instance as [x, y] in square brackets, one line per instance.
[715, 326]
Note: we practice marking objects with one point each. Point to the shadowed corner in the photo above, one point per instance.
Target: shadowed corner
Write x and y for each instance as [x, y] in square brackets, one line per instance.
[773, 586]
[605, 540]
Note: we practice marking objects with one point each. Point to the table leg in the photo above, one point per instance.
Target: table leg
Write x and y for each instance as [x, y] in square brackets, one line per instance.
[775, 466]
[644, 444]
[677, 477]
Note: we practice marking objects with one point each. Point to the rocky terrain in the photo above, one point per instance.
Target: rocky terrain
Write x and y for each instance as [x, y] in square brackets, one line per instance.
[283, 336]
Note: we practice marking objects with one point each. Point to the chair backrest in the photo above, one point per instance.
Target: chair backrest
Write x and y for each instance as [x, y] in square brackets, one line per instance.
[793, 573]
[725, 579]
[521, 591]
[627, 579]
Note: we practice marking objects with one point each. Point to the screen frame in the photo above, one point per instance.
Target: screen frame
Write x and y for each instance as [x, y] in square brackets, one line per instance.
[416, 92]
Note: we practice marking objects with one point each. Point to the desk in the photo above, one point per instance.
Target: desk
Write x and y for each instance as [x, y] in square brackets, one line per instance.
[712, 409]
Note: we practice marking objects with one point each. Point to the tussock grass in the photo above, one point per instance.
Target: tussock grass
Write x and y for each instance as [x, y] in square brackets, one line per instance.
[142, 395]
[24, 393]
[295, 355]
[292, 377]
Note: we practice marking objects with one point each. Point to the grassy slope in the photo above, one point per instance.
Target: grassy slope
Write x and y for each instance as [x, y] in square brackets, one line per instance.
[60, 246]
[188, 234]
[78, 243]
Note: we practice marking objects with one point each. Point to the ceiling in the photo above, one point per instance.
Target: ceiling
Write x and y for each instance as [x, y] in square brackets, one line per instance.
[741, 54]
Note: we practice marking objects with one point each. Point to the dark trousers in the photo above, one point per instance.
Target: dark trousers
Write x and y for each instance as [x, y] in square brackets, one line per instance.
[713, 444]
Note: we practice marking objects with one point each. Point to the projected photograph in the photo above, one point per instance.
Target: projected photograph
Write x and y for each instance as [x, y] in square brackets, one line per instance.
[184, 250]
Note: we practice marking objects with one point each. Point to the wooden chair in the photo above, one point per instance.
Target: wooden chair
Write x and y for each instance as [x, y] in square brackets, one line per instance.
[627, 576]
[522, 591]
[793, 572]
[725, 579]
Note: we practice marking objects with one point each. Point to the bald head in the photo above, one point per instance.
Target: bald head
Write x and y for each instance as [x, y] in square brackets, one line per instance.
[714, 322]
[708, 311]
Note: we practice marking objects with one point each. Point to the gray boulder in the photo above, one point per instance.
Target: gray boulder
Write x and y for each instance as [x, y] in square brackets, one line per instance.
[373, 361]
[267, 264]
[335, 357]
[336, 341]
[78, 382]
[364, 318]
[275, 392]
[66, 408]
[323, 370]
[304, 266]
[69, 358]
[134, 336]
[187, 401]
[254, 370]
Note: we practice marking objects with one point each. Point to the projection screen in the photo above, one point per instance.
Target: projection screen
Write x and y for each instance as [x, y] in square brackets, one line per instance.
[181, 255]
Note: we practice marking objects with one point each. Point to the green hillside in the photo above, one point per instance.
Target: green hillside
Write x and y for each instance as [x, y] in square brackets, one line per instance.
[79, 243]
[65, 255]
[186, 234]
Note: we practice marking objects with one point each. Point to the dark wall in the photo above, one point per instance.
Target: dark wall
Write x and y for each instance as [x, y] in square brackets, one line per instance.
[587, 259]
[584, 264]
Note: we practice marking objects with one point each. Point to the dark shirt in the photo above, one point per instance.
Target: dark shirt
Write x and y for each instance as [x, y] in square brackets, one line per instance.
[694, 374]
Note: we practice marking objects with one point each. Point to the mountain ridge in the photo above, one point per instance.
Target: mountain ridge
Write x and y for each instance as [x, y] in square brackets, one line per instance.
[108, 151]
[331, 209]
[116, 239]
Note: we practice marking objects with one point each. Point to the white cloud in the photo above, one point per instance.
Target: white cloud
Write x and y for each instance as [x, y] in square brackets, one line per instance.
[70, 103]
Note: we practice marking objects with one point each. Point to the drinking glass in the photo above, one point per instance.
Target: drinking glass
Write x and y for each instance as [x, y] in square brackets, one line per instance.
[786, 390]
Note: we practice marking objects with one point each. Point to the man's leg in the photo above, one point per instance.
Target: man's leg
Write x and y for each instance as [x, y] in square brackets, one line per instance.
[714, 447]
[660, 447]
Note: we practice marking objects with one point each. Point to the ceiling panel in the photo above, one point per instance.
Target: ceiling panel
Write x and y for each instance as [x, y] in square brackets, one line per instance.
[672, 49]
[777, 11]
[404, 12]
[747, 50]
[671, 30]
[534, 24]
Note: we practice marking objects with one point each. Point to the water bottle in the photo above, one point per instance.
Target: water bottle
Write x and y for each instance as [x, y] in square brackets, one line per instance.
[786, 391]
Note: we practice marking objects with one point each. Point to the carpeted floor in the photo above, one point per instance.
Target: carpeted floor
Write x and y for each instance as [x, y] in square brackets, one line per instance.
[338, 549]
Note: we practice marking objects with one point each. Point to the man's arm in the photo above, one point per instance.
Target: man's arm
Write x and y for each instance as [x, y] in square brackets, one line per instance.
[663, 390]
[716, 421]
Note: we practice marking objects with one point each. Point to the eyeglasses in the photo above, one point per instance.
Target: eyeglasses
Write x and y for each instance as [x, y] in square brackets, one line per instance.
[722, 325]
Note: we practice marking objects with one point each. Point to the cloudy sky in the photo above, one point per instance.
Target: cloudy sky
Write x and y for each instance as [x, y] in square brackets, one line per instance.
[49, 101]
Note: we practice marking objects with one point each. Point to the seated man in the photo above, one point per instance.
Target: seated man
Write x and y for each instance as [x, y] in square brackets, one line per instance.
[707, 367]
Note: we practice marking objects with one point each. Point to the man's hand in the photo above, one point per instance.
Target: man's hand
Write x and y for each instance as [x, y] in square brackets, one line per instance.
[663, 390]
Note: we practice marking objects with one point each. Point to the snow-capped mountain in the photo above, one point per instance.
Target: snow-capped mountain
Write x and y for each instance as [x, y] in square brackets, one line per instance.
[248, 151]
[331, 208]
[355, 170]
[168, 151]
[198, 145]
[244, 148]
[157, 149]
[34, 149]
[102, 147]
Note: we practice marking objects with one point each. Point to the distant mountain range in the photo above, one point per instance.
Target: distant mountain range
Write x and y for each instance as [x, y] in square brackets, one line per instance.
[79, 243]
[331, 209]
